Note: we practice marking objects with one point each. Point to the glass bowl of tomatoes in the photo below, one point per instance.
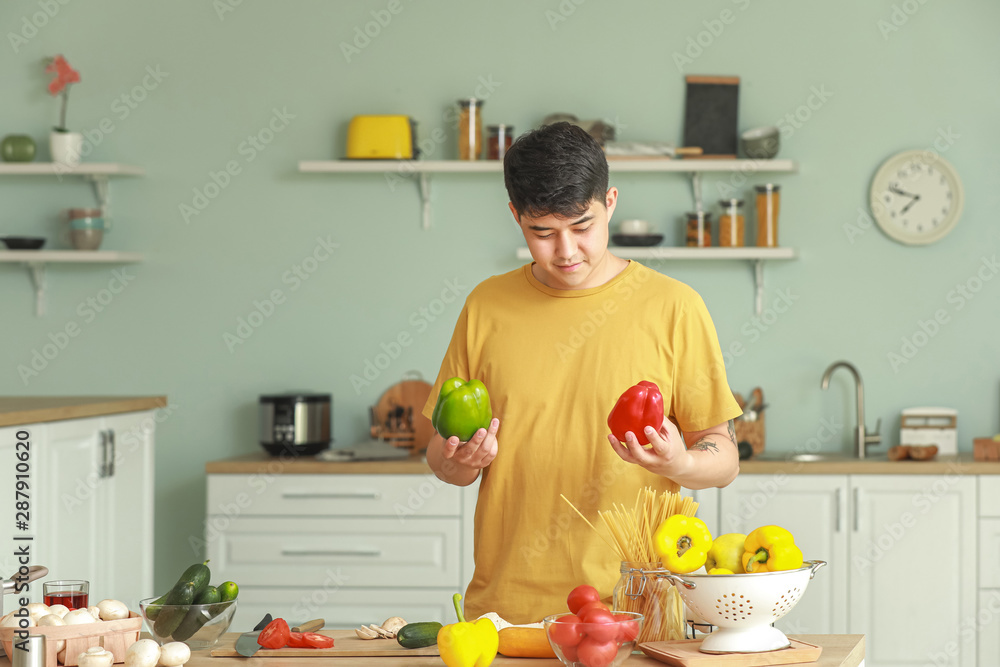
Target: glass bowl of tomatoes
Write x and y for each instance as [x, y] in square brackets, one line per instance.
[198, 625]
[594, 636]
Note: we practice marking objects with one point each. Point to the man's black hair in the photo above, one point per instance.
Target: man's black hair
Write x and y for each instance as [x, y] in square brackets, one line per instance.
[558, 169]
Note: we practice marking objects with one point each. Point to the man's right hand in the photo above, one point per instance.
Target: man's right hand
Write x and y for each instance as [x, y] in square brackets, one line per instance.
[459, 463]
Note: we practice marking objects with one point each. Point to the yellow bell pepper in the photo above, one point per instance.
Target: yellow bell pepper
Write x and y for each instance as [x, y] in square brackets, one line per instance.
[771, 549]
[720, 570]
[466, 644]
[682, 543]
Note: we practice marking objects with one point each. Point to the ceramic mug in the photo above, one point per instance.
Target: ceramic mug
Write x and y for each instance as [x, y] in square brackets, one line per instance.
[634, 227]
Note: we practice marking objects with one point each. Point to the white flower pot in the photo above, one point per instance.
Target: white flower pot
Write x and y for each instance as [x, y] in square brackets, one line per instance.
[66, 147]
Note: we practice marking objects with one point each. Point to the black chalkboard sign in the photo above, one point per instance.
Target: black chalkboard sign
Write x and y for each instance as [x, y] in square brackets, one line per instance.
[711, 115]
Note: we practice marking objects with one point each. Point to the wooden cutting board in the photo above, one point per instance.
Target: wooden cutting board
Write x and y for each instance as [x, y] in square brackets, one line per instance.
[685, 653]
[346, 644]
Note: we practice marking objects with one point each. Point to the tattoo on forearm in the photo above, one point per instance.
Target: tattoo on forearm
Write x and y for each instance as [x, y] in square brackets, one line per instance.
[732, 432]
[705, 445]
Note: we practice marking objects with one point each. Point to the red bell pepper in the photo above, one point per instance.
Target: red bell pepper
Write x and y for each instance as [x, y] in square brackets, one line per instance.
[640, 406]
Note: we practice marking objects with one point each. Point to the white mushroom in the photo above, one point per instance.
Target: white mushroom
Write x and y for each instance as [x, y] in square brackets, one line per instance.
[50, 619]
[364, 633]
[59, 610]
[112, 610]
[12, 621]
[38, 609]
[61, 655]
[96, 656]
[143, 653]
[95, 611]
[174, 654]
[393, 625]
[78, 617]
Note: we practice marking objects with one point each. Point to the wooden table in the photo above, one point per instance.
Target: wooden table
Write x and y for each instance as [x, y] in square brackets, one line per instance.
[838, 651]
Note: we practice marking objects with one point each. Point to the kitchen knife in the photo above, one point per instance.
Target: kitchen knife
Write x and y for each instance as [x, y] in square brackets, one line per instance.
[246, 644]
[310, 626]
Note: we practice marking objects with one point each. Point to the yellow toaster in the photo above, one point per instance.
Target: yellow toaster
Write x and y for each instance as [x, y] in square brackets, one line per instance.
[380, 138]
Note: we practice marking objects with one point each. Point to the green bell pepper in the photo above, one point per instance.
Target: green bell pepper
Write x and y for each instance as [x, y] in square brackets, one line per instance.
[462, 409]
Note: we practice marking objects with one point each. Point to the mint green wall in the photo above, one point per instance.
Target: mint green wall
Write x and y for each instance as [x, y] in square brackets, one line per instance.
[225, 73]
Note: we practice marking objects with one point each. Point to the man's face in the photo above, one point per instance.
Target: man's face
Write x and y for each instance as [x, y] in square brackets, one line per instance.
[571, 253]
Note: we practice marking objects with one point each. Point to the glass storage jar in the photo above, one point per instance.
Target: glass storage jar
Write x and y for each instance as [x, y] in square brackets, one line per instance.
[642, 588]
[498, 140]
[699, 229]
[470, 128]
[731, 223]
[768, 205]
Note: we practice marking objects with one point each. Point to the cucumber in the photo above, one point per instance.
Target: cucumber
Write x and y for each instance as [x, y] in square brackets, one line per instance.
[153, 611]
[180, 598]
[418, 635]
[228, 590]
[198, 616]
[198, 574]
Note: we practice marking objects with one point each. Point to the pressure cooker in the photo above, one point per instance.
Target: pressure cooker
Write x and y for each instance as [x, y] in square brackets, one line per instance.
[296, 423]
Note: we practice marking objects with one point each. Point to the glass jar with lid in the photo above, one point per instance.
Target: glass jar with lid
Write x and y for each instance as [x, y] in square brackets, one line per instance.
[699, 229]
[642, 588]
[498, 140]
[768, 205]
[731, 223]
[470, 128]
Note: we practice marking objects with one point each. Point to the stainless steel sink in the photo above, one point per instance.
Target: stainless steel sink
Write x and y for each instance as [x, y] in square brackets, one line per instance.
[818, 457]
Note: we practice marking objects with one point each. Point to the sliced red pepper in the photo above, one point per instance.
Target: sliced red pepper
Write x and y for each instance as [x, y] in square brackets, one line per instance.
[275, 635]
[640, 406]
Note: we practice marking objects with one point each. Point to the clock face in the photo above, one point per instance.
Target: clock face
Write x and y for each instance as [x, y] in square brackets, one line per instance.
[916, 197]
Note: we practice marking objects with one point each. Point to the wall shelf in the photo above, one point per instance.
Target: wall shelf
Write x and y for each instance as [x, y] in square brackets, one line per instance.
[35, 261]
[757, 256]
[423, 169]
[97, 173]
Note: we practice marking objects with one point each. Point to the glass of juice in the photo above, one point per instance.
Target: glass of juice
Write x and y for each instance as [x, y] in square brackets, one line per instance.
[74, 593]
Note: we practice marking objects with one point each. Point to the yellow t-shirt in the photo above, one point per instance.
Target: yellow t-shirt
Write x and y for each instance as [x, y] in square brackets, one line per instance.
[555, 362]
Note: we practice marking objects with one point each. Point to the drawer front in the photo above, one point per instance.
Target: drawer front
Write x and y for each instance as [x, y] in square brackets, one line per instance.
[989, 631]
[345, 608]
[344, 553]
[989, 553]
[401, 496]
[989, 495]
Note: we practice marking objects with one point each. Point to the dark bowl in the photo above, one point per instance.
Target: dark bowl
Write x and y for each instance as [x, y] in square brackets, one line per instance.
[636, 239]
[23, 242]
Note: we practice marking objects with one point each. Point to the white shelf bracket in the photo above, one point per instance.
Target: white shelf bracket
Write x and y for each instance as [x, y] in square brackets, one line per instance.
[425, 199]
[37, 271]
[103, 193]
[758, 281]
[696, 190]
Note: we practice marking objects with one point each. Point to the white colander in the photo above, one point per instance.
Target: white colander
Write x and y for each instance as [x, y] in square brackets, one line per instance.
[743, 606]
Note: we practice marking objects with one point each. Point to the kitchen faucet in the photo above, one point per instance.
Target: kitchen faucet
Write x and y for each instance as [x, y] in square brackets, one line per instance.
[861, 440]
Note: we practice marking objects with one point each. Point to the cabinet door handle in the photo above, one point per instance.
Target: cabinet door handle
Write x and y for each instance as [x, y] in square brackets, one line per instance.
[111, 457]
[332, 495]
[837, 500]
[104, 455]
[857, 509]
[371, 553]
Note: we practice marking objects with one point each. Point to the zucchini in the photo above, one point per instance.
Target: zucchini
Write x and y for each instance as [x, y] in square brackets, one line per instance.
[418, 635]
[198, 616]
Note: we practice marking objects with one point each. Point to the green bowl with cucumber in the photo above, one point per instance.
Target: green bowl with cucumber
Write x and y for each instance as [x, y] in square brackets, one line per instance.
[192, 611]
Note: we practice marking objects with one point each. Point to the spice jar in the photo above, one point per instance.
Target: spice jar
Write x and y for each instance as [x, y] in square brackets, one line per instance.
[642, 588]
[768, 204]
[731, 225]
[498, 140]
[699, 229]
[470, 128]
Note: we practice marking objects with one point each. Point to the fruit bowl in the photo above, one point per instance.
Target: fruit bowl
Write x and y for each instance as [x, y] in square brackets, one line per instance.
[743, 606]
[593, 644]
[201, 627]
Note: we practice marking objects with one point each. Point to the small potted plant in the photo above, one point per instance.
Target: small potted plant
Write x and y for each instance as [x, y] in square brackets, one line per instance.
[64, 145]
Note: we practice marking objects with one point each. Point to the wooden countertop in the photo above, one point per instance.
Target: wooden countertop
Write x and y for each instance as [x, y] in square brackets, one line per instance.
[838, 651]
[262, 463]
[17, 410]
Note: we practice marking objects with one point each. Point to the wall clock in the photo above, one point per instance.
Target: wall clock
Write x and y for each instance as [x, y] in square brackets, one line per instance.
[916, 197]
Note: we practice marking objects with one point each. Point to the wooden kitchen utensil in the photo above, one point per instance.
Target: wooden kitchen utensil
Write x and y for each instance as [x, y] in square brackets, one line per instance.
[751, 430]
[346, 644]
[397, 418]
[685, 653]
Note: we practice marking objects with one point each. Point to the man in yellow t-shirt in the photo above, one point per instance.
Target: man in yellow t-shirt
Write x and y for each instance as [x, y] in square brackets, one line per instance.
[556, 342]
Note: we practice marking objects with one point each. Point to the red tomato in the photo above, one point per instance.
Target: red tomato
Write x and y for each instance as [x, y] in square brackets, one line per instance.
[590, 606]
[580, 596]
[275, 635]
[570, 653]
[566, 631]
[595, 653]
[628, 628]
[309, 640]
[600, 625]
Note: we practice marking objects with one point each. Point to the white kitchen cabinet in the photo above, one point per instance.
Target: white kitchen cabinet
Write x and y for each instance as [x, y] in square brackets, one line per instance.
[901, 551]
[813, 507]
[349, 548]
[8, 488]
[987, 617]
